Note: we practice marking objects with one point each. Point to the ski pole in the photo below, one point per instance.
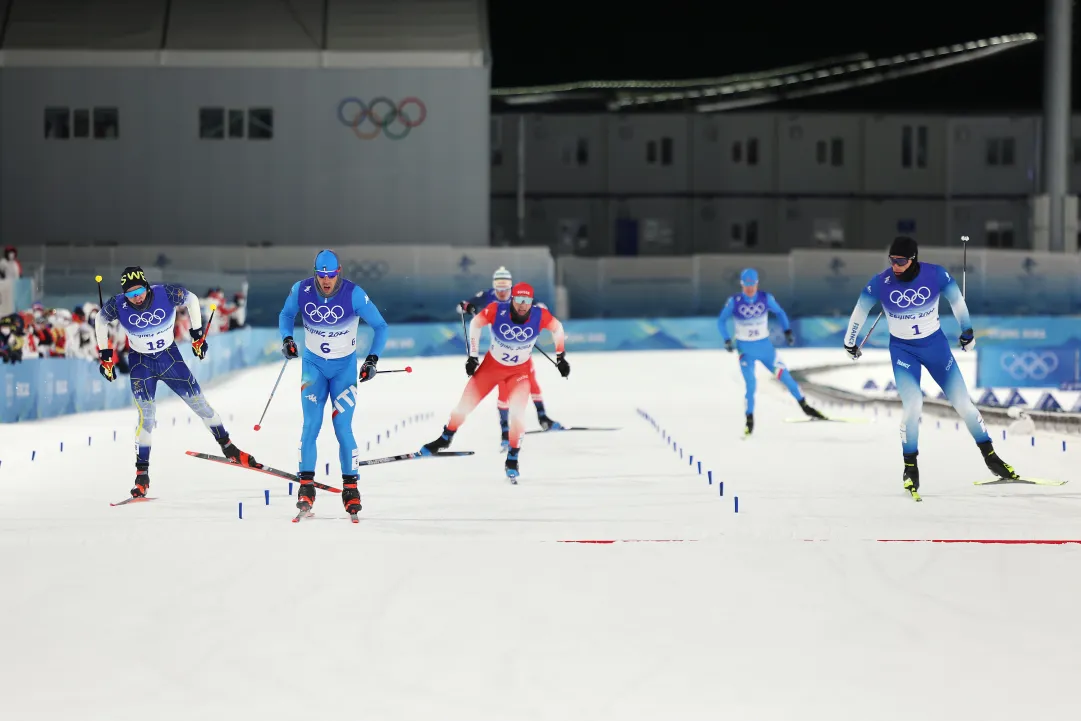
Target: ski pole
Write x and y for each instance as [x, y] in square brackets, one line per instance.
[272, 391]
[964, 264]
[407, 369]
[549, 359]
[862, 342]
[101, 303]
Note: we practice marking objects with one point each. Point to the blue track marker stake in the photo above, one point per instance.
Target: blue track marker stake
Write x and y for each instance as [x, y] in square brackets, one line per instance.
[240, 510]
[61, 446]
[956, 426]
[395, 427]
[174, 420]
[388, 433]
[290, 488]
[33, 455]
[938, 424]
[1003, 434]
[720, 487]
[736, 499]
[377, 437]
[1064, 446]
[690, 461]
[1034, 441]
[114, 435]
[328, 469]
[709, 475]
[699, 467]
[369, 445]
[266, 495]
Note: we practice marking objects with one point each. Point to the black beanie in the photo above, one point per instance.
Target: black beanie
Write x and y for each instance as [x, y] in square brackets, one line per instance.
[133, 277]
[904, 246]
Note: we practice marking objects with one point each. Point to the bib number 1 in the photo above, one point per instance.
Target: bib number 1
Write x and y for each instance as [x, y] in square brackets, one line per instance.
[916, 329]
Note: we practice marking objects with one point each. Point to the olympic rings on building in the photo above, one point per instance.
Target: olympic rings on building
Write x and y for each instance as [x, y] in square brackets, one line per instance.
[1029, 364]
[382, 115]
[368, 269]
[914, 297]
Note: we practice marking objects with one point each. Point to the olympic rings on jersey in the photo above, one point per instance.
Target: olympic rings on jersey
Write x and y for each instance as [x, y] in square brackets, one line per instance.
[914, 297]
[515, 332]
[324, 313]
[750, 311]
[147, 318]
[382, 114]
[1030, 364]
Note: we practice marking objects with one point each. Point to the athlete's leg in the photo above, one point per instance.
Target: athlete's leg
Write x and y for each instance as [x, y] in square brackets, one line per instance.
[314, 388]
[343, 396]
[504, 414]
[769, 359]
[746, 367]
[144, 385]
[906, 374]
[176, 374]
[476, 389]
[943, 368]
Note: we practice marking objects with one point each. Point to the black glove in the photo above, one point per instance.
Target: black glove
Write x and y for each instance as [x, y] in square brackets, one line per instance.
[106, 366]
[728, 345]
[468, 307]
[198, 343]
[967, 337]
[854, 351]
[367, 368]
[289, 347]
[562, 364]
[789, 337]
[471, 364]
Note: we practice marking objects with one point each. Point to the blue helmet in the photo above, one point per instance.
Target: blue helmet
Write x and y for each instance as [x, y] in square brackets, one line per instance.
[748, 277]
[327, 260]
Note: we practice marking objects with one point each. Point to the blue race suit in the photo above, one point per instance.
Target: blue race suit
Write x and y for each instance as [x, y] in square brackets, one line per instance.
[917, 340]
[750, 316]
[154, 357]
[330, 361]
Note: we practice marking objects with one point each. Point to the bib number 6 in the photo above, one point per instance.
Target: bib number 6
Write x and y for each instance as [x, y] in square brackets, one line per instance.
[325, 347]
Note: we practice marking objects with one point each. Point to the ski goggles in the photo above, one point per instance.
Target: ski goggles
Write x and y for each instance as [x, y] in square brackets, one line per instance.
[327, 273]
[899, 261]
[522, 299]
[134, 292]
[502, 285]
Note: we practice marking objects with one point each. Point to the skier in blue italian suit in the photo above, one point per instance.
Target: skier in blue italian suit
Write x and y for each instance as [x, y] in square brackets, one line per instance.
[749, 312]
[909, 292]
[330, 307]
[147, 313]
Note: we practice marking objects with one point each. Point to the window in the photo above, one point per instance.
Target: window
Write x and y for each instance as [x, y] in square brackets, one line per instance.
[906, 146]
[1001, 151]
[582, 154]
[744, 235]
[1076, 150]
[236, 123]
[992, 154]
[921, 146]
[495, 141]
[999, 233]
[737, 234]
[914, 146]
[750, 236]
[666, 151]
[651, 152]
[1007, 151]
[665, 155]
[820, 152]
[260, 123]
[752, 151]
[211, 123]
[828, 233]
[57, 123]
[106, 123]
[737, 152]
[80, 123]
[837, 152]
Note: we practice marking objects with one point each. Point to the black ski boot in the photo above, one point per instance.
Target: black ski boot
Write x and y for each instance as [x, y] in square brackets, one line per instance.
[142, 480]
[911, 476]
[811, 412]
[996, 465]
[439, 444]
[511, 466]
[547, 423]
[306, 492]
[350, 495]
[750, 425]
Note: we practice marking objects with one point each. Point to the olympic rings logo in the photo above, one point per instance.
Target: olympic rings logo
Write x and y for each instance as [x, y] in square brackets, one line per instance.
[323, 313]
[1030, 364]
[148, 318]
[516, 332]
[750, 311]
[914, 297]
[382, 115]
[368, 269]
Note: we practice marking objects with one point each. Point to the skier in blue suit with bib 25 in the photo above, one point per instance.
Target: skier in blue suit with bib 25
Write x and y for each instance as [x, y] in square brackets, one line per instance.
[330, 307]
[749, 312]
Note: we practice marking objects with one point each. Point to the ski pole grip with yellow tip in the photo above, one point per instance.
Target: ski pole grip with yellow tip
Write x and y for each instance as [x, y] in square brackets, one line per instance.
[101, 302]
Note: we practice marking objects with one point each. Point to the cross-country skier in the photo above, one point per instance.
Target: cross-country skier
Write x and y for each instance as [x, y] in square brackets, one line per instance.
[147, 313]
[909, 292]
[330, 307]
[516, 326]
[749, 311]
[500, 293]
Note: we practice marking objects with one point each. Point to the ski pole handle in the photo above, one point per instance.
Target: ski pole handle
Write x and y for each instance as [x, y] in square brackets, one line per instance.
[272, 392]
[407, 369]
[101, 303]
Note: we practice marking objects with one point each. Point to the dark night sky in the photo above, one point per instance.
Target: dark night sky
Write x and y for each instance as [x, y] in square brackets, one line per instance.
[561, 40]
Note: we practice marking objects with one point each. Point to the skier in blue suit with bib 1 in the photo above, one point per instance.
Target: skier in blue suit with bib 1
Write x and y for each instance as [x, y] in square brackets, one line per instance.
[330, 306]
[749, 312]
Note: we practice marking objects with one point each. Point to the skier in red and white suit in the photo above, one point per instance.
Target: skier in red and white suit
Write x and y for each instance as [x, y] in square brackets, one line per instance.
[516, 327]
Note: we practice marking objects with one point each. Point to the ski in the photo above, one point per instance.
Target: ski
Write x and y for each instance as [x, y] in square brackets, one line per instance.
[126, 501]
[265, 469]
[915, 495]
[302, 515]
[410, 456]
[570, 428]
[353, 518]
[1023, 481]
[806, 419]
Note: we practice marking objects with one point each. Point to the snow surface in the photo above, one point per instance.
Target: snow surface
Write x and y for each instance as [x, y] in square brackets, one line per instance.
[454, 598]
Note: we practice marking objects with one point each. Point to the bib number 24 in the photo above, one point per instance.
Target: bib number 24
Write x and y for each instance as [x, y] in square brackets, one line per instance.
[508, 358]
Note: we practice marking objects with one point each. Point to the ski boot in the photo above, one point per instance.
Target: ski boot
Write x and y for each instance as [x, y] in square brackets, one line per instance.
[995, 464]
[351, 497]
[911, 476]
[504, 442]
[236, 455]
[750, 425]
[511, 466]
[142, 480]
[439, 444]
[811, 412]
[547, 423]
[306, 493]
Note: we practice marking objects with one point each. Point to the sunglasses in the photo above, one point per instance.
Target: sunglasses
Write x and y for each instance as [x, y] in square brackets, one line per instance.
[327, 273]
[523, 299]
[134, 292]
[899, 261]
